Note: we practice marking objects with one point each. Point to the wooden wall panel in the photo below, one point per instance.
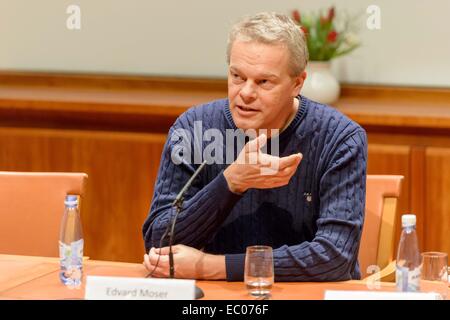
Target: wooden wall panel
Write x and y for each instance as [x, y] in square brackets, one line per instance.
[417, 192]
[437, 199]
[122, 168]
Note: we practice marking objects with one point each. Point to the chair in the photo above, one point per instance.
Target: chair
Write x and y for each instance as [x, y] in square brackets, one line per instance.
[377, 241]
[31, 208]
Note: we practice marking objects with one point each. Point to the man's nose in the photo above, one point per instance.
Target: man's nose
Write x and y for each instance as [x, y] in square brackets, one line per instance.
[248, 92]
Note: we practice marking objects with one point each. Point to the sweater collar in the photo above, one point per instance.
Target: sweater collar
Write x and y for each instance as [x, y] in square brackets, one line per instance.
[292, 126]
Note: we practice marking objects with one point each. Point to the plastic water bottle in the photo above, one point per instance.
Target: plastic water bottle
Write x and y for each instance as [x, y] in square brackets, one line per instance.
[71, 244]
[409, 261]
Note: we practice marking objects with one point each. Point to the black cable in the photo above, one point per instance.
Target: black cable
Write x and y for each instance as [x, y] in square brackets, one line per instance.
[159, 255]
[178, 204]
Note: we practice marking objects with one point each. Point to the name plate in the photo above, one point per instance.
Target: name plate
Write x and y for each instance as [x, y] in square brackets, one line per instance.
[380, 295]
[120, 288]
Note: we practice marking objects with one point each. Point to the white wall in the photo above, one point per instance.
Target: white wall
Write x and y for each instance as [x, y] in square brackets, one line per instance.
[188, 38]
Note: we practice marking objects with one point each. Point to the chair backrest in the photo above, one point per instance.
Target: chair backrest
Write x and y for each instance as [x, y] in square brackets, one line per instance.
[31, 208]
[378, 236]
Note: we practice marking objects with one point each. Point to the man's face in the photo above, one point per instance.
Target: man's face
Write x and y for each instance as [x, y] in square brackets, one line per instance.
[260, 88]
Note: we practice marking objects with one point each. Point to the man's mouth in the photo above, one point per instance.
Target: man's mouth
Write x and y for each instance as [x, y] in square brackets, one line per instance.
[246, 109]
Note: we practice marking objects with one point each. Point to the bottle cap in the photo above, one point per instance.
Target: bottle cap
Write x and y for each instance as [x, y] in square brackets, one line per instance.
[408, 220]
[71, 200]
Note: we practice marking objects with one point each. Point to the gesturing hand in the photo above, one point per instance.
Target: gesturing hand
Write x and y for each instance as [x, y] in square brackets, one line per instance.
[255, 169]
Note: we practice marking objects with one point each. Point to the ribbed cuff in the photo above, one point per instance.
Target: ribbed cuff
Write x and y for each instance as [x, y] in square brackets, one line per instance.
[221, 184]
[235, 266]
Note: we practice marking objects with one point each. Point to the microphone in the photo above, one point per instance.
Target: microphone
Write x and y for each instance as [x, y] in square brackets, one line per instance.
[178, 204]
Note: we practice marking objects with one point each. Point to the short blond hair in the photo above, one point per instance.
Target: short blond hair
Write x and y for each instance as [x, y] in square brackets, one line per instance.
[272, 28]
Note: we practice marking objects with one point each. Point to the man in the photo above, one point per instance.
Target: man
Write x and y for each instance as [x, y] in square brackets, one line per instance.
[310, 213]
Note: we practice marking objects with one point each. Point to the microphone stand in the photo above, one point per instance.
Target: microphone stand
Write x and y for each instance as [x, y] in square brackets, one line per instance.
[178, 204]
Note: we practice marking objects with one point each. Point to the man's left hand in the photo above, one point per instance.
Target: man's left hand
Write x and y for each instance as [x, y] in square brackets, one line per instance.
[189, 263]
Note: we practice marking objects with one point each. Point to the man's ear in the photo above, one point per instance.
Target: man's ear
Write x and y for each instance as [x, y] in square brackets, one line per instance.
[298, 82]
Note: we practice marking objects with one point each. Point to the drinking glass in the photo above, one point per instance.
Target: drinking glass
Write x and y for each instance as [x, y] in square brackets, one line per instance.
[258, 274]
[434, 276]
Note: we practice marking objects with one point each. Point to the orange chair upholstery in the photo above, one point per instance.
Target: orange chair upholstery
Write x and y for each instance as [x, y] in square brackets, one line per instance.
[377, 241]
[31, 208]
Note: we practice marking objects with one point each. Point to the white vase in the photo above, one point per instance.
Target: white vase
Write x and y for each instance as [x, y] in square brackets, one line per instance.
[320, 84]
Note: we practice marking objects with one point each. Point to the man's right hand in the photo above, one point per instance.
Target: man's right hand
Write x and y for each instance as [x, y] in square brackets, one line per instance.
[251, 168]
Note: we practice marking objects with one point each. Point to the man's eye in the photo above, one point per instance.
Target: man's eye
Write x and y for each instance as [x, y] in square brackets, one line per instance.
[237, 77]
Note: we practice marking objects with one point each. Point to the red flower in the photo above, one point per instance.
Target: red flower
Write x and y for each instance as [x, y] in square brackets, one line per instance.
[305, 30]
[332, 36]
[296, 16]
[330, 14]
[329, 18]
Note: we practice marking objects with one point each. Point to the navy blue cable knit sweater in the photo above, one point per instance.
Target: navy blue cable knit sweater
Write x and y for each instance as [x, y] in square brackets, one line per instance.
[314, 223]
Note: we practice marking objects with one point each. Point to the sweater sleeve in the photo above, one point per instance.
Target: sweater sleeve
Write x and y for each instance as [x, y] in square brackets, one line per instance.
[204, 208]
[332, 254]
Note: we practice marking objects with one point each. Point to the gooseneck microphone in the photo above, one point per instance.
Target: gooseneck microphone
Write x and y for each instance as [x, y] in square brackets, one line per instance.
[178, 204]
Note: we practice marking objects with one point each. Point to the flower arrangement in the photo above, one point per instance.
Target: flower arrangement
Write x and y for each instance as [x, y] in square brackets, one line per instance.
[327, 38]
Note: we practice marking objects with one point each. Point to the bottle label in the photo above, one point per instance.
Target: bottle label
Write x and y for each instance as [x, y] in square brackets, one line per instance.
[407, 280]
[71, 260]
